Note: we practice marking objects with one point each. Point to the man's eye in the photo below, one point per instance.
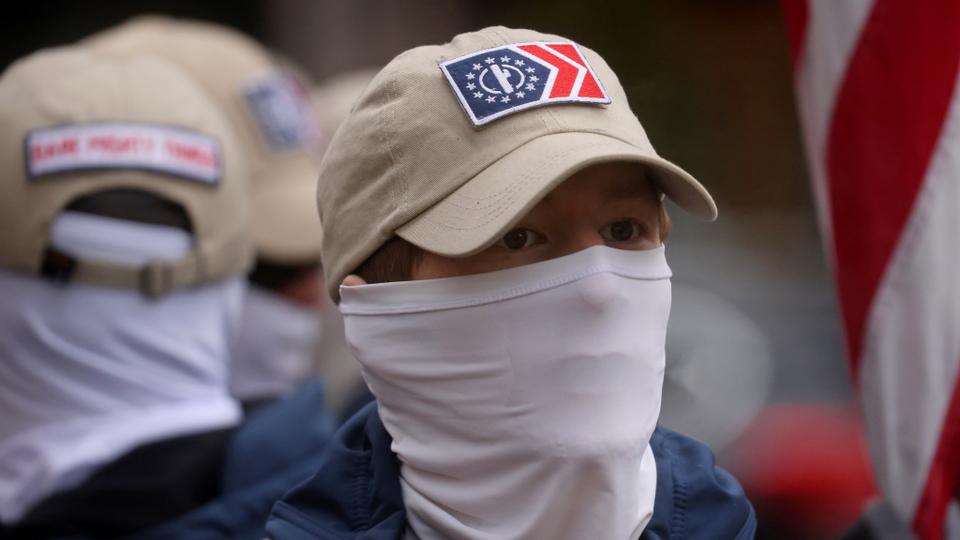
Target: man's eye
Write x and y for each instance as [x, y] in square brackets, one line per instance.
[622, 230]
[519, 239]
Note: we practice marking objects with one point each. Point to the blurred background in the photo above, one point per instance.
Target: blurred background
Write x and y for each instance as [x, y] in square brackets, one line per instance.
[756, 364]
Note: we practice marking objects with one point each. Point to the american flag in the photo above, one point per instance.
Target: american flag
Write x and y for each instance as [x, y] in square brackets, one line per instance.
[876, 86]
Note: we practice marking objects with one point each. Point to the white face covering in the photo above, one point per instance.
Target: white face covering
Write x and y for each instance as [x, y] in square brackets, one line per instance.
[521, 402]
[88, 373]
[276, 346]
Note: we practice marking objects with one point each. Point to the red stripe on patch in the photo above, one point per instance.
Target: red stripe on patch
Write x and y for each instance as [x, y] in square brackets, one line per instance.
[589, 87]
[566, 74]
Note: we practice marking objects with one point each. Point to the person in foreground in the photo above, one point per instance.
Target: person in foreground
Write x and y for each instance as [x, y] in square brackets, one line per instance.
[494, 235]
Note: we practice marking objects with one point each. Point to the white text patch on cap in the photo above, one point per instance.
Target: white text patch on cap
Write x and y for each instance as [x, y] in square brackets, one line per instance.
[493, 83]
[123, 145]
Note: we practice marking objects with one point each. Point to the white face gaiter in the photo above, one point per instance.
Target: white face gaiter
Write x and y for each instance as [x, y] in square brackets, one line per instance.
[521, 402]
[276, 347]
[88, 373]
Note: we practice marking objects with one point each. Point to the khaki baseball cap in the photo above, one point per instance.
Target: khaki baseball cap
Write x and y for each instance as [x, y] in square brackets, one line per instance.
[269, 109]
[73, 123]
[450, 145]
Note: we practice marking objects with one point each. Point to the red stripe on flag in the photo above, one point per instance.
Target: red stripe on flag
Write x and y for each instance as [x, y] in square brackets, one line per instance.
[943, 480]
[796, 14]
[566, 74]
[589, 87]
[887, 121]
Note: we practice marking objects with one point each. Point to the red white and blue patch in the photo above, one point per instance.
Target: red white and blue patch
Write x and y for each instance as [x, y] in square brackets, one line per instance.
[497, 82]
[283, 112]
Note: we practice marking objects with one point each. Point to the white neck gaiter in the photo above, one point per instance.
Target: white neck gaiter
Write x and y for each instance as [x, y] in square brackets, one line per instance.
[276, 346]
[521, 402]
[88, 373]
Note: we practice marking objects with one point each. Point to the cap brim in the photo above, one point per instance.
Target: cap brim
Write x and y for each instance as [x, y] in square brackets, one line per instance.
[286, 225]
[482, 210]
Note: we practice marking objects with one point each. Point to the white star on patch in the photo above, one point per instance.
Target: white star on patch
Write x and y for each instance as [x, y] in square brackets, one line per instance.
[534, 78]
[519, 95]
[489, 60]
[504, 58]
[529, 70]
[505, 99]
[478, 95]
[477, 67]
[471, 86]
[530, 87]
[470, 76]
[519, 62]
[491, 99]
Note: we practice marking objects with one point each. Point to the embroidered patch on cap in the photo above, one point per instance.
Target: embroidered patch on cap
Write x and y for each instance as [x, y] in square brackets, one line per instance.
[283, 112]
[123, 145]
[503, 80]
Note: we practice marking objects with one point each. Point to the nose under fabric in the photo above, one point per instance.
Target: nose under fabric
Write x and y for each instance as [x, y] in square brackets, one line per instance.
[599, 291]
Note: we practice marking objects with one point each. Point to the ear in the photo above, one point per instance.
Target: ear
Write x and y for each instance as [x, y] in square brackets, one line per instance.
[353, 280]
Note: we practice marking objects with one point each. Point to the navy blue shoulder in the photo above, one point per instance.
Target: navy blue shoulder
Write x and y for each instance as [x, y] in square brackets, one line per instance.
[354, 495]
[695, 500]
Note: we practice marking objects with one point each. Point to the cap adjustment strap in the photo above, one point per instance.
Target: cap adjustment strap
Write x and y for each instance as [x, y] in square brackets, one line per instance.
[156, 279]
[152, 280]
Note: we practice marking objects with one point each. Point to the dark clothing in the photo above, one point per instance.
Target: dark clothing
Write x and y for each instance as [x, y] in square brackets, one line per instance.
[152, 484]
[356, 495]
[216, 485]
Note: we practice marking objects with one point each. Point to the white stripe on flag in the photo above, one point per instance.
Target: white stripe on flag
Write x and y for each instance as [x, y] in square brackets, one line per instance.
[832, 31]
[912, 341]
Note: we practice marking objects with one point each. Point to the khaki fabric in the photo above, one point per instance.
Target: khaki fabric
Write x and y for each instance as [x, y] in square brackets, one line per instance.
[409, 162]
[227, 64]
[70, 86]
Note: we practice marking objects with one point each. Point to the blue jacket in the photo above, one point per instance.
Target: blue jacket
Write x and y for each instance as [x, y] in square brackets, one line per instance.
[355, 494]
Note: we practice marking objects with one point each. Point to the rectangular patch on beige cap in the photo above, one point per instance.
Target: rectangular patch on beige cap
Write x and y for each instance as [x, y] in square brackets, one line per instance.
[496, 82]
[123, 145]
[284, 114]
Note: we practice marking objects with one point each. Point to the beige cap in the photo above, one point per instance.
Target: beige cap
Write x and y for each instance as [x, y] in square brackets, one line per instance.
[73, 123]
[416, 157]
[267, 106]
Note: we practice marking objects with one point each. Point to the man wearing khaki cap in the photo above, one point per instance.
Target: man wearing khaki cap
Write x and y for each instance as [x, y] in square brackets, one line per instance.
[124, 244]
[494, 237]
[269, 111]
